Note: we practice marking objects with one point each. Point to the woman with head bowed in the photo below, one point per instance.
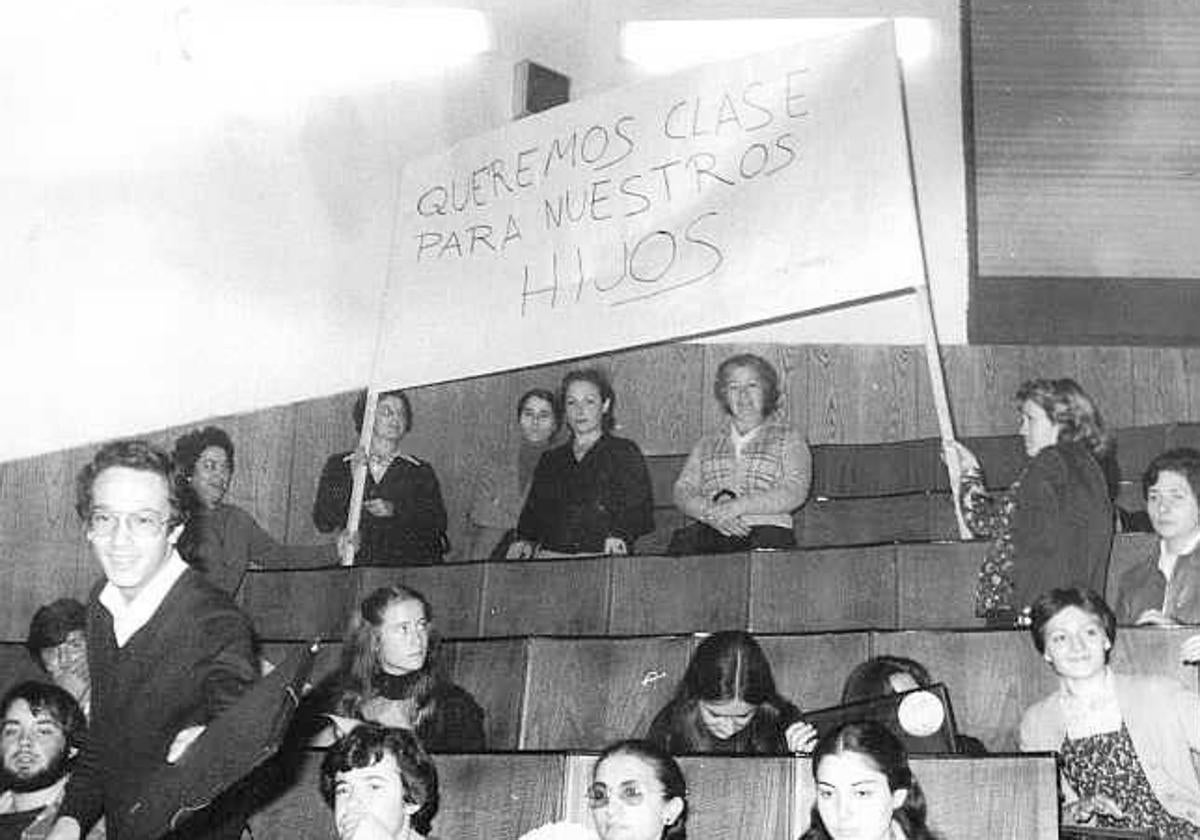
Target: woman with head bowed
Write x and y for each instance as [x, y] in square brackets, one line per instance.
[501, 488]
[390, 675]
[1125, 743]
[221, 539]
[727, 703]
[865, 789]
[1054, 526]
[743, 483]
[403, 516]
[591, 495]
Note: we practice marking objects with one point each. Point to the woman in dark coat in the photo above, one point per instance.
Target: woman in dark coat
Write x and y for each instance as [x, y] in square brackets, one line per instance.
[1054, 526]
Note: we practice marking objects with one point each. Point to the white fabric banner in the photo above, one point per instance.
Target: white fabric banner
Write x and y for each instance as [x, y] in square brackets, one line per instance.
[731, 194]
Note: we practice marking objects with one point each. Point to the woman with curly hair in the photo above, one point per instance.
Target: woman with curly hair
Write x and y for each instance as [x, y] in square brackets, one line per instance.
[1054, 526]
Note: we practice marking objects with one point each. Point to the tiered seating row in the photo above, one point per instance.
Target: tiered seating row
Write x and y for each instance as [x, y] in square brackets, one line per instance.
[581, 693]
[504, 795]
[908, 586]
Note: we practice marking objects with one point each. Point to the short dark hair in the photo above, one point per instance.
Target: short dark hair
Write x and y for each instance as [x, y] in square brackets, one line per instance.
[881, 748]
[541, 394]
[873, 677]
[596, 377]
[666, 770]
[189, 448]
[366, 745]
[1184, 460]
[55, 701]
[134, 455]
[764, 369]
[359, 411]
[51, 624]
[1050, 604]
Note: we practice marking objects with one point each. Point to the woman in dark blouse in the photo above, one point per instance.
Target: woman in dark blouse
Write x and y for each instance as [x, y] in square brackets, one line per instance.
[403, 516]
[592, 495]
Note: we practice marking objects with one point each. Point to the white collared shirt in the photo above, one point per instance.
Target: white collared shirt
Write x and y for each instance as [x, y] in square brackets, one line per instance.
[131, 616]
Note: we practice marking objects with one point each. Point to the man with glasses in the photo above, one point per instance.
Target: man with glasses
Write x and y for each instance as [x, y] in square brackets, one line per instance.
[57, 644]
[167, 650]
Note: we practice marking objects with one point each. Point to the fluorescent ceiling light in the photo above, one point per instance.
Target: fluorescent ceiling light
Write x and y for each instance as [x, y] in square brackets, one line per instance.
[664, 46]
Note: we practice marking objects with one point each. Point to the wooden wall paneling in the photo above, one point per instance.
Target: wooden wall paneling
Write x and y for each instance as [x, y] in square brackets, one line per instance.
[584, 693]
[37, 497]
[1107, 375]
[1182, 434]
[1191, 381]
[322, 427]
[664, 470]
[861, 393]
[454, 592]
[877, 469]
[33, 574]
[997, 797]
[300, 604]
[992, 676]
[457, 426]
[811, 669]
[838, 522]
[495, 672]
[551, 597]
[679, 594]
[660, 396]
[936, 584]
[1127, 550]
[1154, 651]
[980, 381]
[827, 589]
[487, 797]
[1160, 387]
[16, 666]
[729, 797]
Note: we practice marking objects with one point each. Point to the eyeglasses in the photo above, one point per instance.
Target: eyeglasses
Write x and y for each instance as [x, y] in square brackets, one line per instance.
[630, 793]
[141, 523]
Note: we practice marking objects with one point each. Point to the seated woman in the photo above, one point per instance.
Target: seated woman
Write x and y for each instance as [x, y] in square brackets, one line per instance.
[727, 703]
[1054, 526]
[381, 785]
[1125, 743]
[865, 788]
[591, 495]
[403, 516]
[1165, 588]
[389, 675]
[637, 793]
[743, 483]
[883, 675]
[501, 488]
[221, 539]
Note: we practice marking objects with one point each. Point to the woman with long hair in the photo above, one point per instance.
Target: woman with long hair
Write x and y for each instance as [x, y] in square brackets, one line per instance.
[727, 703]
[865, 788]
[390, 675]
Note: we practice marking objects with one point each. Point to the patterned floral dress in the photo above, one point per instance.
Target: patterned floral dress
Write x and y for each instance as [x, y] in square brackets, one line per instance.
[1107, 764]
[991, 515]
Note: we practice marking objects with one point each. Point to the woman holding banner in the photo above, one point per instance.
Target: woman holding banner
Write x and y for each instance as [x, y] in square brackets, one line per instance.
[1054, 526]
[591, 495]
[404, 518]
[741, 484]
